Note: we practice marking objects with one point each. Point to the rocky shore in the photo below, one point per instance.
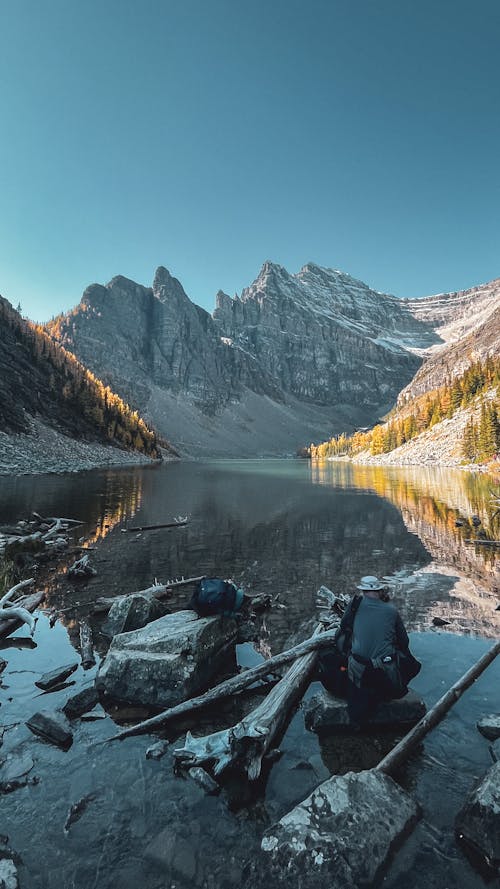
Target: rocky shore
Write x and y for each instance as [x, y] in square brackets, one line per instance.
[438, 446]
[46, 450]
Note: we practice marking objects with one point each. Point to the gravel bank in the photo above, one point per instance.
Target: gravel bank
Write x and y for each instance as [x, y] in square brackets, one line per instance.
[46, 450]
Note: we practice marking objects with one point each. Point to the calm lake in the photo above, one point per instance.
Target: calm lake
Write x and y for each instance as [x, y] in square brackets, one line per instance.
[275, 526]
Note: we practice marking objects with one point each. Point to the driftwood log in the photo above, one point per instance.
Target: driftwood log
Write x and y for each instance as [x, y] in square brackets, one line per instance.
[245, 744]
[401, 751]
[175, 524]
[226, 689]
[81, 568]
[158, 590]
[13, 617]
[86, 645]
[46, 532]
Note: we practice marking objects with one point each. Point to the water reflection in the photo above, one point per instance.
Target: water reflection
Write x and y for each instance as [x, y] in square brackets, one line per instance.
[282, 527]
[100, 499]
[451, 512]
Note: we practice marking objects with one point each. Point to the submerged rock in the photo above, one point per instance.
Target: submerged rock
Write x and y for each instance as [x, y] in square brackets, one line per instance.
[156, 751]
[52, 726]
[15, 766]
[323, 712]
[203, 780]
[55, 677]
[341, 835]
[478, 823]
[81, 703]
[169, 660]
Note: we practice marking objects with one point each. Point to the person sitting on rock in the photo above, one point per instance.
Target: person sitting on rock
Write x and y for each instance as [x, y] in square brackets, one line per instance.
[371, 660]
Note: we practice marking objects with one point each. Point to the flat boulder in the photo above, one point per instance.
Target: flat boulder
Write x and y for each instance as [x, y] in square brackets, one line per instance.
[55, 677]
[52, 726]
[323, 712]
[489, 726]
[167, 661]
[341, 835]
[131, 613]
[478, 823]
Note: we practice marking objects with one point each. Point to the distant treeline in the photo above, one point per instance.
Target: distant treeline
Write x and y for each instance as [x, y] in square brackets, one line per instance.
[478, 386]
[94, 405]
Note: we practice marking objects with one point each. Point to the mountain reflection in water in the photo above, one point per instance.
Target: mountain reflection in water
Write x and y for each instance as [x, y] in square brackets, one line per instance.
[283, 527]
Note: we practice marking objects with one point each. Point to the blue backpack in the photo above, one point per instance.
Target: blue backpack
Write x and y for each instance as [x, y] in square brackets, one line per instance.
[215, 596]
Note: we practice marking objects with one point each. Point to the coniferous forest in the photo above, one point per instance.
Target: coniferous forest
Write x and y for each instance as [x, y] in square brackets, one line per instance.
[477, 389]
[42, 378]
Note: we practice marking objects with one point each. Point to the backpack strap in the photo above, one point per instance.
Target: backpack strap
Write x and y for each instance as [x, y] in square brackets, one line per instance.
[351, 612]
[229, 596]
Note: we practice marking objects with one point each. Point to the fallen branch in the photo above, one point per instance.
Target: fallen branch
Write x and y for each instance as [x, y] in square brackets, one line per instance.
[231, 686]
[81, 568]
[86, 645]
[436, 714]
[154, 527]
[159, 591]
[8, 597]
[245, 744]
[12, 621]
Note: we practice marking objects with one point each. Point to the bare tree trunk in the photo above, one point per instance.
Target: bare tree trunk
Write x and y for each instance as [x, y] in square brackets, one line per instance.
[245, 744]
[229, 687]
[400, 752]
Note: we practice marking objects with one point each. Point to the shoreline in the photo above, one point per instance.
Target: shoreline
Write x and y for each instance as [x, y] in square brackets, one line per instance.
[44, 450]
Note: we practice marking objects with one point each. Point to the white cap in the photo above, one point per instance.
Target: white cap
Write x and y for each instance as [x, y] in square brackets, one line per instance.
[370, 582]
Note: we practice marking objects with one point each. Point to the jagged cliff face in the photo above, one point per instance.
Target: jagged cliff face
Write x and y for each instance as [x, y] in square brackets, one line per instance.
[323, 336]
[291, 360]
[139, 337]
[467, 324]
[295, 358]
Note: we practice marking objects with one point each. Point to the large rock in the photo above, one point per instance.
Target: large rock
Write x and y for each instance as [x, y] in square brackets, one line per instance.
[489, 726]
[167, 661]
[8, 874]
[478, 823]
[82, 702]
[324, 712]
[132, 613]
[341, 835]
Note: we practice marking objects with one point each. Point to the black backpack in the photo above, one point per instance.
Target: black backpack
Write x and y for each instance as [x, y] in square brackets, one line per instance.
[343, 636]
[214, 596]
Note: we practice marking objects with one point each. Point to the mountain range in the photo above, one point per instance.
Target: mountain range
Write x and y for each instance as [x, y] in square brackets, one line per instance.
[294, 358]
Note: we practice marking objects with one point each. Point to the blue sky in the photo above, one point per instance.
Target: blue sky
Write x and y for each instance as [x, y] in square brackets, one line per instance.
[211, 135]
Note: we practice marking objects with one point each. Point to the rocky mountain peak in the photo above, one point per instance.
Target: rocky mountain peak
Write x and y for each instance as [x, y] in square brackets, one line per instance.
[222, 300]
[307, 351]
[168, 289]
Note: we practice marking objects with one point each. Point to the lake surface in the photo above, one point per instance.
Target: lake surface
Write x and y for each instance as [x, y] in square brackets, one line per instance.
[277, 526]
